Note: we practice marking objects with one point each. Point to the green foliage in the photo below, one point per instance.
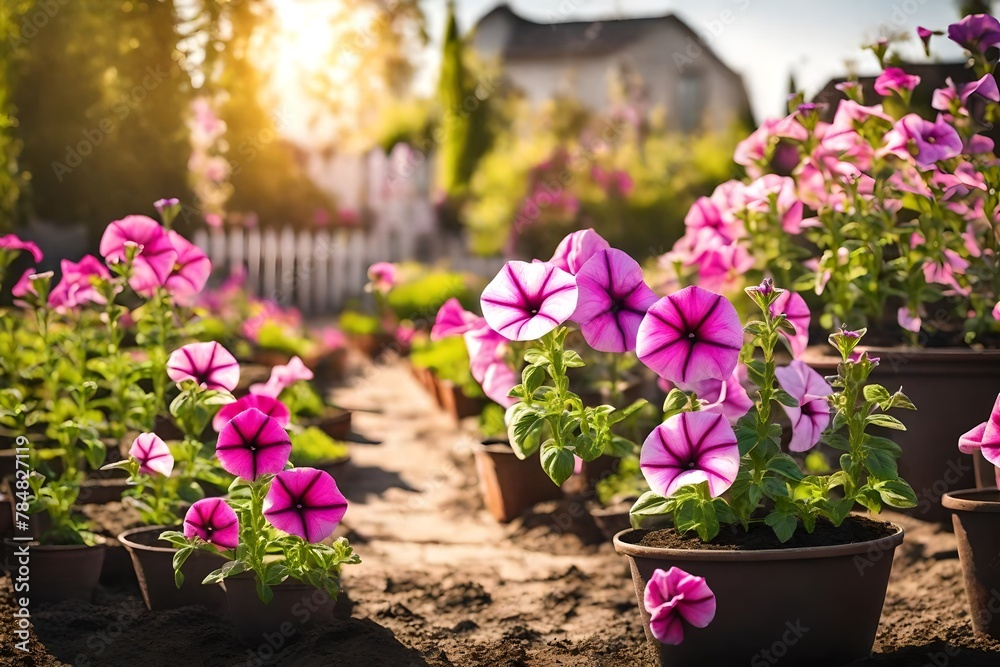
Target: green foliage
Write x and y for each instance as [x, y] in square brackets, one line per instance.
[312, 447]
[449, 359]
[276, 336]
[358, 323]
[421, 298]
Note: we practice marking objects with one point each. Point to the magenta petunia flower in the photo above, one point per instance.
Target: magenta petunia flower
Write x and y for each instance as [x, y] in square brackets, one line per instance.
[909, 320]
[453, 320]
[209, 364]
[673, 598]
[382, 276]
[691, 335]
[985, 437]
[305, 502]
[927, 142]
[12, 242]
[574, 250]
[813, 412]
[213, 520]
[253, 444]
[282, 377]
[165, 204]
[488, 363]
[797, 313]
[153, 455]
[24, 286]
[526, 301]
[76, 286]
[724, 397]
[190, 271]
[270, 406]
[154, 263]
[613, 299]
[690, 448]
[895, 80]
[977, 32]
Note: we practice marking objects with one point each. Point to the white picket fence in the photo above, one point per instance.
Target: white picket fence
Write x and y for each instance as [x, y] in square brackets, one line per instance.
[319, 270]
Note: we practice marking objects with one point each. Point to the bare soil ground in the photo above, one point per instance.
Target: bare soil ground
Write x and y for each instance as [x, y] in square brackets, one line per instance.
[443, 584]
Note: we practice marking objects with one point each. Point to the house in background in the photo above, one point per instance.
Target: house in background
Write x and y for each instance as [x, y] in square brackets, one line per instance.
[582, 58]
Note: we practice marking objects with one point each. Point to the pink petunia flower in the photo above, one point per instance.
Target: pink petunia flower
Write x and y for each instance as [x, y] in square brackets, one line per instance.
[156, 259]
[909, 320]
[977, 32]
[984, 437]
[76, 286]
[383, 276]
[282, 377]
[813, 412]
[925, 141]
[453, 320]
[252, 444]
[895, 80]
[209, 364]
[690, 335]
[797, 313]
[690, 448]
[488, 363]
[723, 397]
[673, 598]
[190, 271]
[153, 455]
[613, 299]
[271, 407]
[305, 502]
[944, 272]
[213, 520]
[576, 248]
[23, 287]
[526, 301]
[10, 242]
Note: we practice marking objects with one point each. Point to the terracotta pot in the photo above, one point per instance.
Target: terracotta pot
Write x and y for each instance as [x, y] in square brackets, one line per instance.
[976, 518]
[373, 345]
[335, 422]
[295, 608]
[152, 559]
[58, 572]
[611, 520]
[807, 606]
[456, 403]
[953, 390]
[330, 367]
[508, 484]
[102, 491]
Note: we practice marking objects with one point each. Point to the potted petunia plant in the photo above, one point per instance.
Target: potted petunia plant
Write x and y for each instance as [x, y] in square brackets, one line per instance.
[885, 215]
[273, 531]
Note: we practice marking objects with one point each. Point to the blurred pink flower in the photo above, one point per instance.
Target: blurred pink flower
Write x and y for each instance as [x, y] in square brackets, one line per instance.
[895, 80]
[156, 258]
[10, 242]
[926, 142]
[76, 286]
[576, 248]
[153, 455]
[976, 32]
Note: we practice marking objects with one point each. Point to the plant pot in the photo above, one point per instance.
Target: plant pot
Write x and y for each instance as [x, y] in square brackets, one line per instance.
[455, 402]
[508, 484]
[335, 422]
[152, 559]
[373, 345]
[58, 572]
[295, 608]
[102, 491]
[8, 463]
[816, 605]
[953, 389]
[330, 367]
[987, 474]
[975, 514]
[611, 520]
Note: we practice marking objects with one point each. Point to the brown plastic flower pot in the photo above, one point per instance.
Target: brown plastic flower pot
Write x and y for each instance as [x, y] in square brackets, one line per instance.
[976, 518]
[611, 520]
[456, 403]
[804, 606]
[58, 572]
[152, 559]
[295, 608]
[954, 390]
[986, 472]
[102, 491]
[508, 484]
[335, 422]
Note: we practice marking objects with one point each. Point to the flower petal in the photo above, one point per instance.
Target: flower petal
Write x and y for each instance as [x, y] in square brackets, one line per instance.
[305, 502]
[526, 301]
[690, 448]
[253, 444]
[270, 406]
[613, 299]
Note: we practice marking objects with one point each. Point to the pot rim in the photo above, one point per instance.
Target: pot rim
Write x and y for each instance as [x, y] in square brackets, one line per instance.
[492, 446]
[102, 542]
[797, 553]
[963, 500]
[124, 536]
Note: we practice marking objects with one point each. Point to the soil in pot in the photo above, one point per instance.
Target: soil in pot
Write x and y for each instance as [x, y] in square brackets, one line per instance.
[820, 596]
[152, 559]
[58, 572]
[508, 484]
[976, 518]
[295, 608]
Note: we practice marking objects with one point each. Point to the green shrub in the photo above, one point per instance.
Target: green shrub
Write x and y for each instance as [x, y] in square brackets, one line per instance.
[312, 447]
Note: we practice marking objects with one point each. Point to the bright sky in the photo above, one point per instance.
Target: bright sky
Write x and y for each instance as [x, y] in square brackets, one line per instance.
[765, 40]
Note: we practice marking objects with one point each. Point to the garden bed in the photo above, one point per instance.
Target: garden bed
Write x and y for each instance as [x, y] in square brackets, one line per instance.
[443, 584]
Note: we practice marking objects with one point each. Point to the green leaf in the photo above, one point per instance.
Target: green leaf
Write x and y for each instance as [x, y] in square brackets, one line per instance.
[896, 492]
[264, 591]
[884, 444]
[95, 452]
[675, 403]
[180, 556]
[536, 357]
[572, 359]
[840, 509]
[783, 524]
[785, 465]
[533, 377]
[876, 393]
[785, 398]
[622, 415]
[775, 487]
[229, 569]
[885, 421]
[557, 462]
[648, 504]
[588, 448]
[746, 439]
[900, 400]
[881, 464]
[525, 421]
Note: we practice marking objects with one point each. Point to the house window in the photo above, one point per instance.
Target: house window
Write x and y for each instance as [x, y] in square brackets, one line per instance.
[691, 100]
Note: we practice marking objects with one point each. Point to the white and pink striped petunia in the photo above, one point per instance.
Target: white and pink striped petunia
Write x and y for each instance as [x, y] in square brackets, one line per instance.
[156, 259]
[453, 320]
[190, 271]
[797, 313]
[576, 250]
[613, 299]
[252, 444]
[214, 521]
[152, 454]
[305, 502]
[725, 397]
[985, 437]
[690, 448]
[526, 301]
[270, 406]
[691, 335]
[209, 364]
[812, 415]
[674, 597]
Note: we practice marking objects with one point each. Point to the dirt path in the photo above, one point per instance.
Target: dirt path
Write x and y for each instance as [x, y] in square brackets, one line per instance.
[444, 584]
